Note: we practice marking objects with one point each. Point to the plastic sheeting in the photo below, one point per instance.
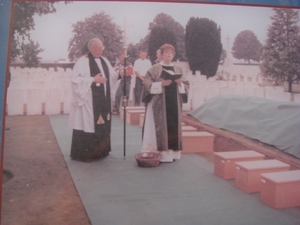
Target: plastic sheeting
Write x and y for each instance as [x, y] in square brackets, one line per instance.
[271, 122]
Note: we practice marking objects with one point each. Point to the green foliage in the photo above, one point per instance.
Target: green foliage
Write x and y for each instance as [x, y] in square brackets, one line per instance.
[23, 23]
[223, 55]
[143, 44]
[30, 53]
[246, 46]
[133, 52]
[281, 53]
[203, 45]
[100, 26]
[158, 37]
[165, 21]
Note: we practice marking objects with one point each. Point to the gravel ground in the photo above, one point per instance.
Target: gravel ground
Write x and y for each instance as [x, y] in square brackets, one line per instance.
[37, 187]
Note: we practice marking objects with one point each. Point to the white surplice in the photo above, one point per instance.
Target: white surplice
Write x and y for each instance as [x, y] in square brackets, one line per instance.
[81, 115]
[149, 143]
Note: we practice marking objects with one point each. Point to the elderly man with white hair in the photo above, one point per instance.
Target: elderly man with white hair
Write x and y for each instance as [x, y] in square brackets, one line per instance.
[90, 115]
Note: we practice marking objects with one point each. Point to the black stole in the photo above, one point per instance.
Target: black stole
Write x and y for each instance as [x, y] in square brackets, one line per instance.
[172, 113]
[101, 102]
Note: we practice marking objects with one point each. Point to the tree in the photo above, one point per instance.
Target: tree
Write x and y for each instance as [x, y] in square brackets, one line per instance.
[281, 53]
[158, 37]
[133, 52]
[143, 44]
[246, 46]
[203, 45]
[23, 23]
[223, 55]
[101, 26]
[165, 21]
[30, 53]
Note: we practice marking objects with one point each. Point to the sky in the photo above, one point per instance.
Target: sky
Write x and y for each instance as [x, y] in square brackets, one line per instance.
[53, 31]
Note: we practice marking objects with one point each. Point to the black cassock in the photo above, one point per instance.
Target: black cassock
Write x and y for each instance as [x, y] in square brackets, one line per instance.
[91, 146]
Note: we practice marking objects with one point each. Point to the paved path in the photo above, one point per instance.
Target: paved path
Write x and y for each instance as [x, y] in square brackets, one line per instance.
[115, 191]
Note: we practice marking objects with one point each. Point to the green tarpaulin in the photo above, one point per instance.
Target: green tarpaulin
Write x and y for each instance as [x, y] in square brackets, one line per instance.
[271, 122]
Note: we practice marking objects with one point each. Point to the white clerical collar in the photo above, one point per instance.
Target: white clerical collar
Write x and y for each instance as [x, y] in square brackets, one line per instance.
[162, 63]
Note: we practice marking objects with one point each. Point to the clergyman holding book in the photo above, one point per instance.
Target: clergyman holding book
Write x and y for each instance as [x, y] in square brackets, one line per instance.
[165, 89]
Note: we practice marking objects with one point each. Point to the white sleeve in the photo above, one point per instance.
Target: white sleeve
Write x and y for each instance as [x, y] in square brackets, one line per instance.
[113, 78]
[181, 88]
[156, 88]
[81, 81]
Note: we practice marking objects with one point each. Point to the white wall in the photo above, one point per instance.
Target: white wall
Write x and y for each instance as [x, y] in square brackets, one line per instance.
[37, 91]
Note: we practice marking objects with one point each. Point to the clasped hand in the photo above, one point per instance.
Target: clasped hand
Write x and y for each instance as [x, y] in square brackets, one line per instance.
[168, 82]
[100, 79]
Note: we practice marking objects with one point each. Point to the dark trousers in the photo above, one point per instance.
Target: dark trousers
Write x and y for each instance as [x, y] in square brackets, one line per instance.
[120, 91]
[138, 91]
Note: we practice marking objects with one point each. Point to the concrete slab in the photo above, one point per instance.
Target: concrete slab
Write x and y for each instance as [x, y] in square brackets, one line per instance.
[115, 191]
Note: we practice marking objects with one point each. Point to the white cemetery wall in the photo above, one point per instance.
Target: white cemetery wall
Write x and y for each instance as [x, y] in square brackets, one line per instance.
[224, 90]
[212, 83]
[259, 92]
[66, 100]
[297, 98]
[36, 85]
[197, 96]
[279, 89]
[187, 106]
[53, 100]
[285, 96]
[231, 83]
[211, 92]
[249, 91]
[18, 84]
[270, 93]
[15, 102]
[238, 90]
[222, 83]
[34, 105]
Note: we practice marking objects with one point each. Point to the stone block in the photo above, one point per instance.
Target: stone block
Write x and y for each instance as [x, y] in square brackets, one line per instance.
[130, 108]
[281, 189]
[196, 142]
[248, 174]
[133, 116]
[224, 162]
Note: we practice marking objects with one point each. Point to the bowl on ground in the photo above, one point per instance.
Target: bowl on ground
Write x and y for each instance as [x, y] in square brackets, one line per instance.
[148, 159]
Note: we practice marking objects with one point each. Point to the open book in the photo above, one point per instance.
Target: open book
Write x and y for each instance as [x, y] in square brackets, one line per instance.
[170, 75]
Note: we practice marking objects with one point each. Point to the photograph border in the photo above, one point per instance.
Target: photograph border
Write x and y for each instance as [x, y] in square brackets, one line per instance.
[6, 15]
